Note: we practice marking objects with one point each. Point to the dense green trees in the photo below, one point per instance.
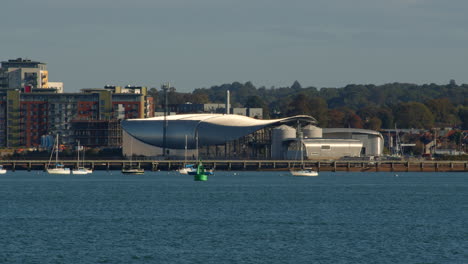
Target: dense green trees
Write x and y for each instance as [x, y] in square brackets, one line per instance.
[367, 106]
[413, 114]
[463, 115]
[445, 113]
[319, 110]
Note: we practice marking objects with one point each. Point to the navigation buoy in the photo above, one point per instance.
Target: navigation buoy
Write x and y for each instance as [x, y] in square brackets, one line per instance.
[201, 173]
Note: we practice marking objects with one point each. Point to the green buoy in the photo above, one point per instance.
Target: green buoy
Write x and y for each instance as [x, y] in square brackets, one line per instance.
[201, 174]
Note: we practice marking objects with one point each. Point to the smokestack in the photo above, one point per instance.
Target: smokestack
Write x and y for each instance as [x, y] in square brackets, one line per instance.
[228, 104]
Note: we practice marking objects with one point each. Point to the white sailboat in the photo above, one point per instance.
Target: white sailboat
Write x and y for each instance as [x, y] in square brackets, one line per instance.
[80, 169]
[2, 170]
[58, 168]
[132, 169]
[186, 167]
[302, 171]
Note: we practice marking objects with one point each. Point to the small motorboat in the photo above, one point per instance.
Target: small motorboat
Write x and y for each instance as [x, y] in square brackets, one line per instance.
[131, 170]
[82, 170]
[304, 172]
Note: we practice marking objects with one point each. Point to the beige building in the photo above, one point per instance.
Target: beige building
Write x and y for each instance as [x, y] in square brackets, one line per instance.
[20, 73]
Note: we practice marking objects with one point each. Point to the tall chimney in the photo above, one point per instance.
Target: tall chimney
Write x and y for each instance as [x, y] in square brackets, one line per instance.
[228, 104]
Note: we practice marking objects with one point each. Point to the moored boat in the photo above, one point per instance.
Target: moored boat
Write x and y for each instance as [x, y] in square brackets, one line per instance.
[80, 169]
[131, 170]
[189, 168]
[2, 170]
[302, 171]
[58, 168]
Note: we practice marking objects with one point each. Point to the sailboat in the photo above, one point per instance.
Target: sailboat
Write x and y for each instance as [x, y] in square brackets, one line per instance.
[2, 170]
[58, 168]
[186, 167]
[80, 169]
[132, 169]
[302, 171]
[192, 169]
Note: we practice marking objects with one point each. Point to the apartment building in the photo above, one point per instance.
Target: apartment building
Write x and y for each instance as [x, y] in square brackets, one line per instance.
[32, 108]
[91, 116]
[19, 73]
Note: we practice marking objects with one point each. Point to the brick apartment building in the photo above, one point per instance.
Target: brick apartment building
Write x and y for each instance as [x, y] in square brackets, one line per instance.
[32, 108]
[92, 116]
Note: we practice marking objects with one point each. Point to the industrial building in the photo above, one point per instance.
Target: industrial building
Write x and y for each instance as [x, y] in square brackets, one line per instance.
[373, 142]
[230, 136]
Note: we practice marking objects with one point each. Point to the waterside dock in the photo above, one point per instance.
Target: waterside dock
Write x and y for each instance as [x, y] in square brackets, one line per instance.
[255, 165]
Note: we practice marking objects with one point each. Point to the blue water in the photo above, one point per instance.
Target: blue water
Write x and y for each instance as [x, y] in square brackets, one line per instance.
[251, 217]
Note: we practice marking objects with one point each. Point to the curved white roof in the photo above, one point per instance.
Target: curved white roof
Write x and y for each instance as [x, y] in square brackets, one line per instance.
[210, 129]
[222, 119]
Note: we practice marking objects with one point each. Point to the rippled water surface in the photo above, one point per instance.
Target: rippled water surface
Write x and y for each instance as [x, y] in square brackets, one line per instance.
[250, 217]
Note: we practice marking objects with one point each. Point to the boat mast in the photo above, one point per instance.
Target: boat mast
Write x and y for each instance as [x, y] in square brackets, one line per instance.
[78, 154]
[302, 154]
[56, 149]
[83, 156]
[131, 151]
[300, 136]
[397, 141]
[185, 154]
[398, 147]
[165, 88]
[196, 140]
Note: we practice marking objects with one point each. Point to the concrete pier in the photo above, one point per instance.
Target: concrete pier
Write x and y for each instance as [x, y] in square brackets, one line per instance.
[253, 165]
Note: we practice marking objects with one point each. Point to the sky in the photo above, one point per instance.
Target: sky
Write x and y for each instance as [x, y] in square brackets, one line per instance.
[200, 43]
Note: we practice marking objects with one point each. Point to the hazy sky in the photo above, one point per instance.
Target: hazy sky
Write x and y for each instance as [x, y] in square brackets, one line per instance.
[193, 44]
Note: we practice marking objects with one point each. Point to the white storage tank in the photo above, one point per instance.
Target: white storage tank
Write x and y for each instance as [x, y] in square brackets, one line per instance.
[278, 135]
[311, 131]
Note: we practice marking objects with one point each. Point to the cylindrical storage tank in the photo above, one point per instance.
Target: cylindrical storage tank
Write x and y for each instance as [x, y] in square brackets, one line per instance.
[311, 131]
[278, 135]
[375, 145]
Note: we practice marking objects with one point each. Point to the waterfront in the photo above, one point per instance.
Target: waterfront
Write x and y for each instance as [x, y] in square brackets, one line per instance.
[250, 217]
[256, 165]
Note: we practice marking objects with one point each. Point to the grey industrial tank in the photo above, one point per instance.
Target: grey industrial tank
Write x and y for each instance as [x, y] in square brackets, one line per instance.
[278, 135]
[311, 131]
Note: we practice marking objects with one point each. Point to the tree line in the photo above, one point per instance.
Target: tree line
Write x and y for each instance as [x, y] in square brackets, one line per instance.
[367, 106]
